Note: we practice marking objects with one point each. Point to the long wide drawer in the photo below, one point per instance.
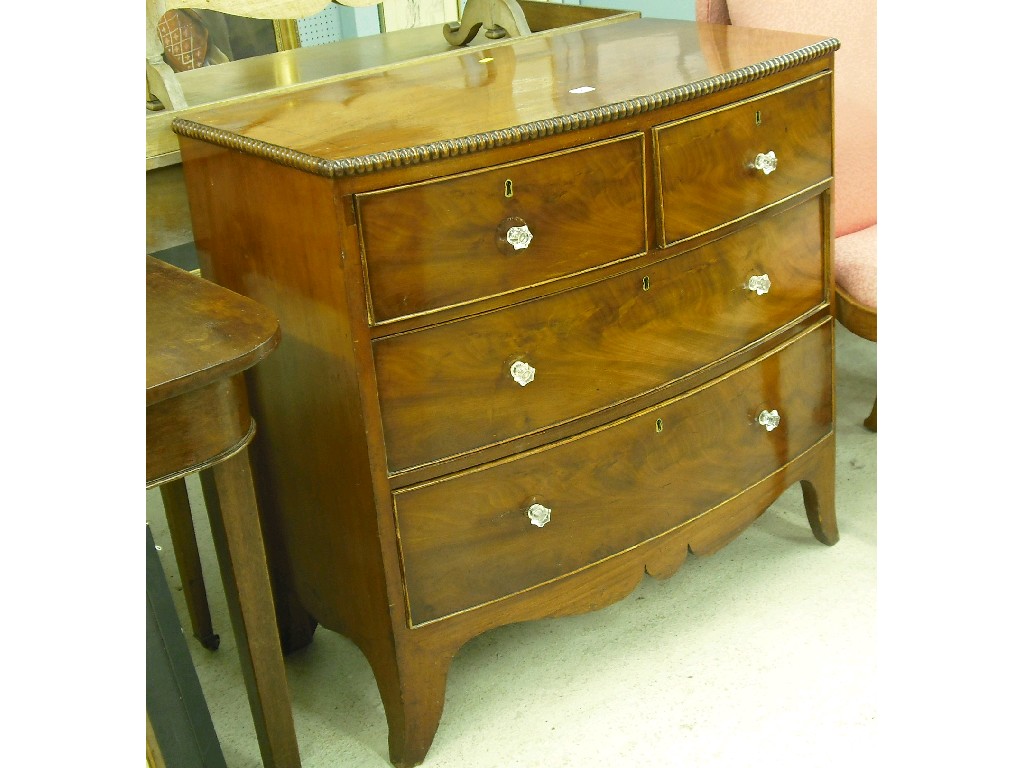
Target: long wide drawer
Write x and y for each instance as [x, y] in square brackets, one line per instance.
[447, 242]
[452, 388]
[484, 534]
[706, 164]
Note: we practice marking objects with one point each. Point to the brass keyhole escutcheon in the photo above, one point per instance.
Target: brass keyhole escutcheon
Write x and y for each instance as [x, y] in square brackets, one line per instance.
[659, 426]
[757, 117]
[646, 283]
[508, 188]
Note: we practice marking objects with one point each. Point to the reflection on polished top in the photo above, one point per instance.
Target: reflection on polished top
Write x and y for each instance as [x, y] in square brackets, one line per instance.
[198, 332]
[539, 86]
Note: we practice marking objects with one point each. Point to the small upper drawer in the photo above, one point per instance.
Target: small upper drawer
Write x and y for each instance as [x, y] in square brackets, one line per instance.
[450, 241]
[706, 165]
[469, 539]
[451, 388]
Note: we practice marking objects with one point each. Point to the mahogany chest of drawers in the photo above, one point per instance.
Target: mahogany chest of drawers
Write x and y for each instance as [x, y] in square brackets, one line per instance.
[555, 312]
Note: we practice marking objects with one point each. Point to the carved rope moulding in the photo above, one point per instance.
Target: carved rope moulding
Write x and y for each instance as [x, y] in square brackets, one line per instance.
[466, 145]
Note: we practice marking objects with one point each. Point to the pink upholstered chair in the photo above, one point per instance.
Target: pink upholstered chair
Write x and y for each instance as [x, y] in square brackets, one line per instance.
[855, 262]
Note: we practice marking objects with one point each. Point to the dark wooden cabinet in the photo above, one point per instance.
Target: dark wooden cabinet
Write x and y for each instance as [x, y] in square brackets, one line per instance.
[554, 313]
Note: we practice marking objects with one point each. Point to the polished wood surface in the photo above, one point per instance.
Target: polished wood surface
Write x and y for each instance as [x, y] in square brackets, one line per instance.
[197, 333]
[444, 243]
[682, 458]
[284, 227]
[299, 68]
[167, 216]
[286, 71]
[717, 151]
[601, 344]
[200, 338]
[196, 429]
[524, 83]
[177, 91]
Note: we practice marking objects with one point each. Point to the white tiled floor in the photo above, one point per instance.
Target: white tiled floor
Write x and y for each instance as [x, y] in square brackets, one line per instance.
[762, 654]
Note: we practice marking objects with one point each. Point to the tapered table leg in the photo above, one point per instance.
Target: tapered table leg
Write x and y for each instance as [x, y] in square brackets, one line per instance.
[178, 511]
[234, 521]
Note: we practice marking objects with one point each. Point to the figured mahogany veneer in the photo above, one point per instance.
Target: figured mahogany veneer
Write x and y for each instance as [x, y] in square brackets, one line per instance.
[683, 457]
[594, 346]
[717, 151]
[585, 207]
[672, 303]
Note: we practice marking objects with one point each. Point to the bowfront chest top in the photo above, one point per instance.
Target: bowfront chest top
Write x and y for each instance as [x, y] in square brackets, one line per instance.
[554, 313]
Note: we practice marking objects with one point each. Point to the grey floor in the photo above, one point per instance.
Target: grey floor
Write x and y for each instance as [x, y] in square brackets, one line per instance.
[762, 654]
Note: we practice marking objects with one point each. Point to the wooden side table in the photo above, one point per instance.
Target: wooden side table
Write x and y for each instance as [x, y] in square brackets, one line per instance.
[199, 339]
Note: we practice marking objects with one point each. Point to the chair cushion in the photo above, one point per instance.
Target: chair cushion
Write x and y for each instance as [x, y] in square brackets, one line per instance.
[856, 265]
[855, 90]
[712, 11]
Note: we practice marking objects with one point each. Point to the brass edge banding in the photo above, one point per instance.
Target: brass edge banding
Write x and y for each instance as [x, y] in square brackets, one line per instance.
[397, 158]
[467, 302]
[818, 188]
[628, 417]
[626, 137]
[397, 473]
[830, 435]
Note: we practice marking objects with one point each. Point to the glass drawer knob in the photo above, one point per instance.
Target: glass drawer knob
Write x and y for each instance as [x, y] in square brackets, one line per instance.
[769, 420]
[539, 515]
[759, 284]
[519, 237]
[766, 161]
[522, 372]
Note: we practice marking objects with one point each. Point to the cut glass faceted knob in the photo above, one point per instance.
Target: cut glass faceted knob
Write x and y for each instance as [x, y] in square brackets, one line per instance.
[759, 284]
[539, 515]
[522, 372]
[769, 419]
[766, 161]
[519, 237]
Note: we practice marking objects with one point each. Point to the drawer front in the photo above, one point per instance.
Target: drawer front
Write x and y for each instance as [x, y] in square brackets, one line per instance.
[446, 242]
[469, 539]
[705, 164]
[449, 389]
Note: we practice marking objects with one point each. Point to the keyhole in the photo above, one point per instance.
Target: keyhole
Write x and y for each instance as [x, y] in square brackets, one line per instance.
[646, 282]
[508, 187]
[659, 426]
[757, 117]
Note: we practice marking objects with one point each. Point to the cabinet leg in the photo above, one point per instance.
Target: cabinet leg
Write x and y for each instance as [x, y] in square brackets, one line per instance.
[295, 625]
[412, 690]
[819, 490]
[871, 422]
